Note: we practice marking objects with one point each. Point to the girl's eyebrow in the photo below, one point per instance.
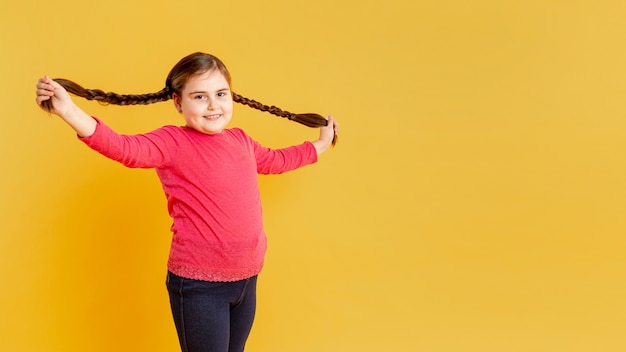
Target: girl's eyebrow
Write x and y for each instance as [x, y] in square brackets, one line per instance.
[205, 92]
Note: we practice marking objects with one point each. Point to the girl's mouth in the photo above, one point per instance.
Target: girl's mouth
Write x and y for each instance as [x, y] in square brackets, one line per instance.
[213, 117]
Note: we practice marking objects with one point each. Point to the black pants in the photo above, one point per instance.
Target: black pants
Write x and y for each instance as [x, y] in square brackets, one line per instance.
[212, 316]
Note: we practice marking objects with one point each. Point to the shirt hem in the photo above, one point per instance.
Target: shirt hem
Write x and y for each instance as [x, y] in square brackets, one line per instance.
[214, 275]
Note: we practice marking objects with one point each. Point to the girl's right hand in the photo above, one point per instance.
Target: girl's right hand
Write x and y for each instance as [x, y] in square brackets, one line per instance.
[61, 104]
[48, 89]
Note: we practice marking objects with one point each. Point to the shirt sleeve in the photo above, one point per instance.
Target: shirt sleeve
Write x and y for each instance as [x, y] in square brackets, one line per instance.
[149, 150]
[277, 161]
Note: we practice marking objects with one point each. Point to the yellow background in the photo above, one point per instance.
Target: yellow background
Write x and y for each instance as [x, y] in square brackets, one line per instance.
[474, 202]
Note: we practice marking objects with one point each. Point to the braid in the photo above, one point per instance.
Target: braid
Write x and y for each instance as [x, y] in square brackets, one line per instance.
[110, 97]
[310, 120]
[259, 106]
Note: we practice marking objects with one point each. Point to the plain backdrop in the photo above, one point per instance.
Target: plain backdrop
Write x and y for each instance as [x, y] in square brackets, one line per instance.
[474, 202]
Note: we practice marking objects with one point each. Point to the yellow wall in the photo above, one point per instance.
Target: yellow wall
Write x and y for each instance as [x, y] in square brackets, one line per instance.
[474, 203]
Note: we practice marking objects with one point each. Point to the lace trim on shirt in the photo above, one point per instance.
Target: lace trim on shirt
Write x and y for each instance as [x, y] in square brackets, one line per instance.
[214, 275]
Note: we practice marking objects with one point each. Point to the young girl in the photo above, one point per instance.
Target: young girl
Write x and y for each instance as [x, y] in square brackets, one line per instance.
[209, 176]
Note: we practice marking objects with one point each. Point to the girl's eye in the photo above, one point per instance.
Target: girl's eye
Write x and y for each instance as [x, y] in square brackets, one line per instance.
[221, 94]
[199, 96]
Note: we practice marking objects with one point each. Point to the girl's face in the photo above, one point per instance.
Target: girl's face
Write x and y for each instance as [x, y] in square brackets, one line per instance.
[206, 102]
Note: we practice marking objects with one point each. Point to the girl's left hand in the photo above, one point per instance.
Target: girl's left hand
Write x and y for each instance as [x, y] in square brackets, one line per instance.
[327, 135]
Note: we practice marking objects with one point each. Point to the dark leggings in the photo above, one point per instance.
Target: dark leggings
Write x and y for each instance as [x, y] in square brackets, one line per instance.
[212, 316]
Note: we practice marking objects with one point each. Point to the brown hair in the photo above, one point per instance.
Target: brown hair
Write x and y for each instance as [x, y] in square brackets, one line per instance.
[188, 66]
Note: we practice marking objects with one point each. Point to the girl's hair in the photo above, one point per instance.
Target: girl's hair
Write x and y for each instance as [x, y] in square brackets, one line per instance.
[187, 67]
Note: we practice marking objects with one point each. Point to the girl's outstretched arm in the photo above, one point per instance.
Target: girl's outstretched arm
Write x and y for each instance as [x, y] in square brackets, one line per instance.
[327, 134]
[63, 106]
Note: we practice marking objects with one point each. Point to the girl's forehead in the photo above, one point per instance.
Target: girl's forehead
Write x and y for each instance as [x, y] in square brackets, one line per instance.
[208, 75]
[209, 79]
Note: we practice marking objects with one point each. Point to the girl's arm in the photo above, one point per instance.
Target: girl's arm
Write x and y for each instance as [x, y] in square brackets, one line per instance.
[64, 107]
[327, 133]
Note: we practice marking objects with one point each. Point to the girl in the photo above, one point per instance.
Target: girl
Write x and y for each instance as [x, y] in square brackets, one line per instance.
[209, 176]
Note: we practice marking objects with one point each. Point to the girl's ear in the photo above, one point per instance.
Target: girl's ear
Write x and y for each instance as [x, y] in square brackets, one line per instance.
[176, 100]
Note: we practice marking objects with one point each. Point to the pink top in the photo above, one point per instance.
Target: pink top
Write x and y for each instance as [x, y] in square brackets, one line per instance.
[211, 185]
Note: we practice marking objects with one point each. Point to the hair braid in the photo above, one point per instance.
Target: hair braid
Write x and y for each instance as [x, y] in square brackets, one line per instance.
[110, 97]
[310, 120]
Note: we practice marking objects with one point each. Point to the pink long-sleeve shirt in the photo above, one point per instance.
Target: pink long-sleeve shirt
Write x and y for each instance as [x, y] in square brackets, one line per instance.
[211, 186]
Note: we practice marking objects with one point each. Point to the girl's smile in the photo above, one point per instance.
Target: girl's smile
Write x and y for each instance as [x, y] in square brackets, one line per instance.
[213, 117]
